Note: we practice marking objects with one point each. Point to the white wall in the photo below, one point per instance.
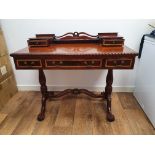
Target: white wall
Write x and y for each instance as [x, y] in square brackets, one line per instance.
[18, 31]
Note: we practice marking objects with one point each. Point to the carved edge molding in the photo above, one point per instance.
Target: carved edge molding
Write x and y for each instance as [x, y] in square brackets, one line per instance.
[114, 53]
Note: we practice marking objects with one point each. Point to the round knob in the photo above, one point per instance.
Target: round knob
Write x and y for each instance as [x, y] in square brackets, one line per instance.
[93, 62]
[115, 62]
[85, 62]
[25, 63]
[32, 63]
[61, 62]
[122, 62]
[53, 62]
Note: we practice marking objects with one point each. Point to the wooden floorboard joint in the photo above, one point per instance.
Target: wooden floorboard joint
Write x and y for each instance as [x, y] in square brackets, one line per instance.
[73, 115]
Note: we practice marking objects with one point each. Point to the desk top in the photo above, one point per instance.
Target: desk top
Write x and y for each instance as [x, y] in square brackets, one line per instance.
[76, 49]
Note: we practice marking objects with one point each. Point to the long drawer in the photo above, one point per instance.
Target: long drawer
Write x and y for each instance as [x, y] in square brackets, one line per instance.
[90, 63]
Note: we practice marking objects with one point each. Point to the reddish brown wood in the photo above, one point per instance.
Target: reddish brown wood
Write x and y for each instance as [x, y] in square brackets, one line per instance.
[75, 92]
[108, 91]
[76, 35]
[75, 51]
[104, 39]
[43, 89]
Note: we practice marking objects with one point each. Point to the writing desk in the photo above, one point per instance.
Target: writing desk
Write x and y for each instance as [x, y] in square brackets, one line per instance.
[76, 55]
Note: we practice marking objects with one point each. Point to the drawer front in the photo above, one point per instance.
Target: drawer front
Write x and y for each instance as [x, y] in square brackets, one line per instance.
[38, 43]
[73, 63]
[118, 42]
[118, 63]
[28, 63]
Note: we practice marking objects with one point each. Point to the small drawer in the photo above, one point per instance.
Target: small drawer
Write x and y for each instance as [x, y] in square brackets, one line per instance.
[73, 63]
[116, 42]
[29, 63]
[118, 63]
[36, 42]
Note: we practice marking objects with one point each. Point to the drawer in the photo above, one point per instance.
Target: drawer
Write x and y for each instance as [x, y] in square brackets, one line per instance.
[118, 63]
[36, 42]
[118, 42]
[28, 63]
[73, 63]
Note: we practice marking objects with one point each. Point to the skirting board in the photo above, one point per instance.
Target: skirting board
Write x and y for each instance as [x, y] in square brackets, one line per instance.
[60, 88]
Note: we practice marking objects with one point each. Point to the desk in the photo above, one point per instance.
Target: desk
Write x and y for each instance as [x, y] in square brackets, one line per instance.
[77, 56]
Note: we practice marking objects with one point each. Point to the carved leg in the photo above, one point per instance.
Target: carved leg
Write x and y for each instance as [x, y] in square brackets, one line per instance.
[43, 89]
[108, 91]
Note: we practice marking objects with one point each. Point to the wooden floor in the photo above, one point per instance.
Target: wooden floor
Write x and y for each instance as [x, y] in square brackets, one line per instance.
[73, 115]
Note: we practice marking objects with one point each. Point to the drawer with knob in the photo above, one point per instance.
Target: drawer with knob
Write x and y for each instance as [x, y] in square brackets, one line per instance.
[114, 43]
[28, 63]
[119, 63]
[73, 63]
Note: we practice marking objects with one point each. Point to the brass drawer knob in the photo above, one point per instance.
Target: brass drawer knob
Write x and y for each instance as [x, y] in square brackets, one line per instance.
[53, 62]
[32, 63]
[61, 62]
[122, 61]
[25, 62]
[85, 62]
[92, 62]
[115, 62]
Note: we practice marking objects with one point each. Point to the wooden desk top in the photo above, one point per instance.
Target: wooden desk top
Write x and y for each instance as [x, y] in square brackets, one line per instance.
[76, 49]
[75, 52]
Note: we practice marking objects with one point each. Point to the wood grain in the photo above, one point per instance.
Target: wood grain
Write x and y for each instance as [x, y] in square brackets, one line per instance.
[73, 114]
[2, 117]
[45, 127]
[19, 105]
[83, 116]
[100, 125]
[65, 116]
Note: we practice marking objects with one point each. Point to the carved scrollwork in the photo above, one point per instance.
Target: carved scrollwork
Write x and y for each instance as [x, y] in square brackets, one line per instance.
[75, 92]
[76, 35]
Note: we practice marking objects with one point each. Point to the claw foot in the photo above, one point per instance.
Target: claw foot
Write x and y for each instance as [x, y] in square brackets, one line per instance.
[41, 117]
[110, 117]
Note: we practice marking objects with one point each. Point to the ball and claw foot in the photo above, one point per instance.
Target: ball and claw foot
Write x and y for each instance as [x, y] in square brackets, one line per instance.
[110, 117]
[41, 117]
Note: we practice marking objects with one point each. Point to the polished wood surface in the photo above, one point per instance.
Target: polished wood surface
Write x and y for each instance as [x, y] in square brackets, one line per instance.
[50, 95]
[75, 51]
[107, 95]
[75, 56]
[43, 89]
[73, 114]
[102, 39]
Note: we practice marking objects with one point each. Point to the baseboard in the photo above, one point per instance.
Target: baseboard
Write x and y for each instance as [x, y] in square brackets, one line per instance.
[59, 88]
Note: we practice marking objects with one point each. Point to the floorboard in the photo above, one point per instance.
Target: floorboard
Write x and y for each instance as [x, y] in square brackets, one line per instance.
[73, 115]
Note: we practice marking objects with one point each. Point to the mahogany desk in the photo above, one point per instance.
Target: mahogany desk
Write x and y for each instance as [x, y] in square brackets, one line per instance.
[77, 56]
